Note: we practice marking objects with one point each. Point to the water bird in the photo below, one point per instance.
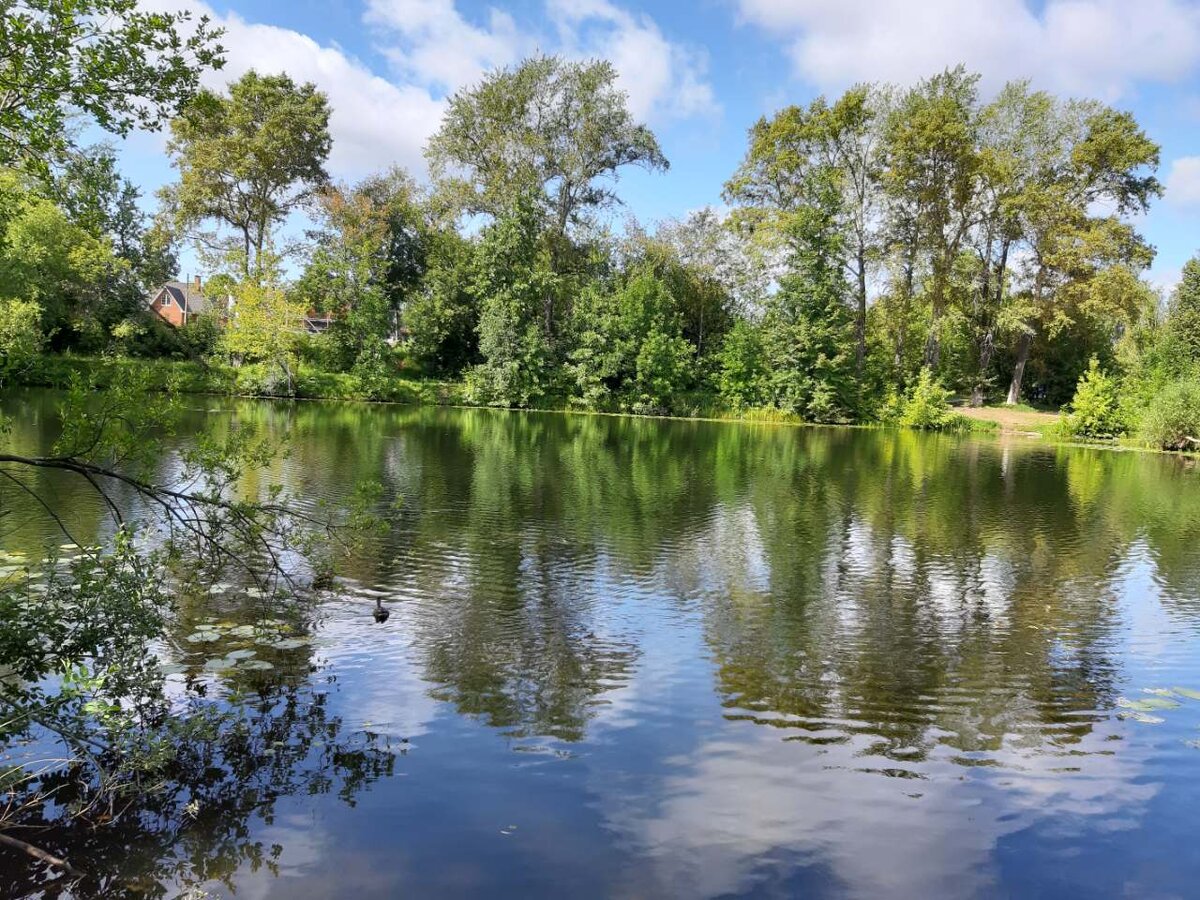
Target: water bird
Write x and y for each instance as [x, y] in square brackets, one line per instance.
[380, 614]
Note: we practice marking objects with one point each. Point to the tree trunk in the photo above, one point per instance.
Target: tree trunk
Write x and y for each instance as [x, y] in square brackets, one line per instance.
[860, 321]
[986, 348]
[1014, 388]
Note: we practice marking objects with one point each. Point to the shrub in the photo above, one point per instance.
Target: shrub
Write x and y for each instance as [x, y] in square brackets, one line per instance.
[1172, 420]
[21, 337]
[1095, 409]
[927, 406]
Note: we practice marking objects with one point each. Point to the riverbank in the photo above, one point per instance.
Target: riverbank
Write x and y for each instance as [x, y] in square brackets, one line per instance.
[311, 383]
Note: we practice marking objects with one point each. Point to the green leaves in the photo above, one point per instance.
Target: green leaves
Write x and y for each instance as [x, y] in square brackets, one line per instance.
[121, 66]
[247, 159]
[548, 129]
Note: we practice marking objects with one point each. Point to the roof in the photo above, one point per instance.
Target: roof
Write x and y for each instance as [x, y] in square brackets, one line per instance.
[189, 297]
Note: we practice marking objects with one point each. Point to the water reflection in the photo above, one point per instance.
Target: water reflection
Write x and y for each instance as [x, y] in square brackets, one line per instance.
[640, 658]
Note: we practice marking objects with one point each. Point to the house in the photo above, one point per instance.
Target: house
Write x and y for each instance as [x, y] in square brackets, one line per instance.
[178, 302]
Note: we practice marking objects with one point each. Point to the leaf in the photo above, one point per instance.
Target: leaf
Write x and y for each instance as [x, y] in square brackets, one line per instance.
[200, 637]
[1142, 717]
[1187, 692]
[241, 654]
[257, 664]
[1147, 705]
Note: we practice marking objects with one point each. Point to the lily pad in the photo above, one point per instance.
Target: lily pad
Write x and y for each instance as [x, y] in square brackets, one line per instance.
[1159, 692]
[257, 664]
[219, 664]
[241, 654]
[201, 637]
[1187, 692]
[1147, 705]
[1142, 717]
[242, 631]
[285, 643]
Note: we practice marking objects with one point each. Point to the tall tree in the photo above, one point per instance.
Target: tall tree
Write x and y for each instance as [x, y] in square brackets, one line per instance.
[121, 66]
[1019, 134]
[553, 129]
[841, 140]
[246, 160]
[1081, 260]
[369, 255]
[931, 165]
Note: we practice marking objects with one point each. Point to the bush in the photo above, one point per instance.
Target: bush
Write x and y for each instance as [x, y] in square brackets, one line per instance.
[927, 406]
[1095, 409]
[21, 337]
[1172, 420]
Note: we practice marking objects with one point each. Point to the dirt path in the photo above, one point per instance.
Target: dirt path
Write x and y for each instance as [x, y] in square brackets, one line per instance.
[1011, 420]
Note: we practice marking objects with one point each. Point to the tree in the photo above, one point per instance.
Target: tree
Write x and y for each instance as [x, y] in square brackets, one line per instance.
[265, 325]
[21, 337]
[515, 284]
[556, 130]
[1183, 315]
[931, 164]
[629, 344]
[246, 160]
[47, 259]
[121, 66]
[369, 258]
[1081, 261]
[807, 325]
[841, 140]
[1018, 139]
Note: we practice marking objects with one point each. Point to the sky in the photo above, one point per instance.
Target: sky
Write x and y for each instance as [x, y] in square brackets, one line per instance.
[700, 73]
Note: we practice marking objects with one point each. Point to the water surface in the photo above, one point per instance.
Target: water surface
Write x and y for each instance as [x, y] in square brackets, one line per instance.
[633, 658]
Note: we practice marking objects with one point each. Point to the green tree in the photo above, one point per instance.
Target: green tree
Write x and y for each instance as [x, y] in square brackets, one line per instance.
[21, 337]
[1084, 263]
[47, 259]
[930, 169]
[517, 291]
[368, 259]
[245, 161]
[265, 326]
[629, 345]
[800, 143]
[807, 325]
[550, 128]
[122, 66]
[742, 376]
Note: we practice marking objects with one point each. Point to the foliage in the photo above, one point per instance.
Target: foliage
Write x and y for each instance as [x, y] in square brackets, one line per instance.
[549, 129]
[1095, 409]
[245, 161]
[369, 259]
[265, 325]
[122, 66]
[518, 293]
[926, 406]
[742, 377]
[629, 348]
[48, 259]
[1172, 420]
[21, 337]
[807, 325]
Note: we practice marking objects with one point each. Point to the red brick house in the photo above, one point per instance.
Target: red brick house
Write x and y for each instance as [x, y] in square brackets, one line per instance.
[178, 302]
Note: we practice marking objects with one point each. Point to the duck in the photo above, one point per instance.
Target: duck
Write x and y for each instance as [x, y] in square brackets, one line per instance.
[380, 614]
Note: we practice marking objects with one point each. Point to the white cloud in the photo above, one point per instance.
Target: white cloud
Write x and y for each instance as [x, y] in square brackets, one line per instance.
[1095, 47]
[375, 123]
[431, 42]
[443, 49]
[662, 79]
[1183, 182]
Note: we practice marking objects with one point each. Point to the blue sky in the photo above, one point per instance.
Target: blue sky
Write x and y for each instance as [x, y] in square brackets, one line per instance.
[699, 73]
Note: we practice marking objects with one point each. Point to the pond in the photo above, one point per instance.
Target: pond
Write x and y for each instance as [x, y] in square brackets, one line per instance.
[641, 658]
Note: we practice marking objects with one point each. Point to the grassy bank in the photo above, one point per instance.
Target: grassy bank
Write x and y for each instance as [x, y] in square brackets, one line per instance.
[312, 383]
